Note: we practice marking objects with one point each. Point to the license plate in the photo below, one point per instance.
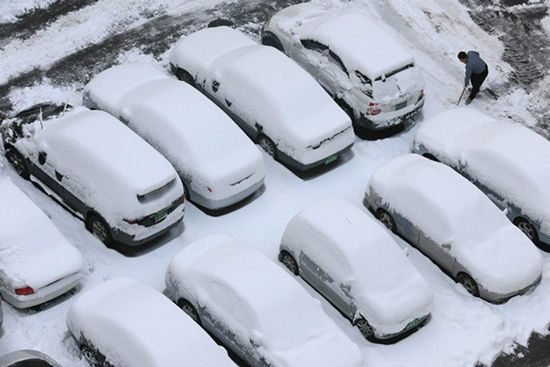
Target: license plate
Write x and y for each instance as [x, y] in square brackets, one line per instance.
[160, 216]
[412, 324]
[331, 159]
[400, 105]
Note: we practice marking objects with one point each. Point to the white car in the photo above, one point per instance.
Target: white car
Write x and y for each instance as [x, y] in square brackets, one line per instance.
[456, 225]
[37, 263]
[100, 170]
[124, 323]
[217, 163]
[353, 262]
[272, 99]
[254, 307]
[508, 162]
[371, 75]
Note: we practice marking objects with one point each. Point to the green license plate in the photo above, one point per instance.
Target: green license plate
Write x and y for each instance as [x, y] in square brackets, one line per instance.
[160, 216]
[400, 105]
[331, 159]
[412, 324]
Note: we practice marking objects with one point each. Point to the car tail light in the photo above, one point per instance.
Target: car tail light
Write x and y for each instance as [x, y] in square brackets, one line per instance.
[209, 189]
[182, 199]
[131, 221]
[24, 291]
[374, 109]
[420, 96]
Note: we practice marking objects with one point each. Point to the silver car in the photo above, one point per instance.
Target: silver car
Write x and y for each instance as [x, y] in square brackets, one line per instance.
[455, 225]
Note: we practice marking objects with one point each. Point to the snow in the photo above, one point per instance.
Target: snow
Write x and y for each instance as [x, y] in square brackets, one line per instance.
[177, 120]
[34, 258]
[439, 201]
[135, 325]
[219, 273]
[256, 79]
[510, 159]
[356, 251]
[114, 173]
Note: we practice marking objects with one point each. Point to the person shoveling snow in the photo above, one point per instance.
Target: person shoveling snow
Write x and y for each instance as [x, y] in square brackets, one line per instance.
[476, 72]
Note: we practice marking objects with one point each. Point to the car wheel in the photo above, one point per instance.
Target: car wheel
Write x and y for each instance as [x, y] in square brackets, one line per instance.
[468, 283]
[268, 145]
[18, 163]
[189, 310]
[386, 219]
[90, 355]
[528, 229]
[288, 261]
[365, 328]
[269, 39]
[430, 156]
[100, 229]
[220, 23]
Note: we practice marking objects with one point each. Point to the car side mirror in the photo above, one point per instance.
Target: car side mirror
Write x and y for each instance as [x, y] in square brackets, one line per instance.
[215, 86]
[42, 157]
[446, 246]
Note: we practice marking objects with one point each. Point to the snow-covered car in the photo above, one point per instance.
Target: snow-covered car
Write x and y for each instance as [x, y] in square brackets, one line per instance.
[27, 358]
[371, 75]
[274, 101]
[123, 322]
[37, 264]
[508, 162]
[354, 263]
[218, 164]
[455, 225]
[254, 307]
[97, 168]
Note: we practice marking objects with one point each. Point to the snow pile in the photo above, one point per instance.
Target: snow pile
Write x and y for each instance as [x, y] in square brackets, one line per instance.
[36, 257]
[11, 9]
[258, 300]
[134, 325]
[114, 174]
[510, 159]
[357, 252]
[303, 121]
[440, 202]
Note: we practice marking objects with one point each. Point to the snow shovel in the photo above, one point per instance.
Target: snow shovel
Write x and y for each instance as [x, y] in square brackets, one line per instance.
[461, 94]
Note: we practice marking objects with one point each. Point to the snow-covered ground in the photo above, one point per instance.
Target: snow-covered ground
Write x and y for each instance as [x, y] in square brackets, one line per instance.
[462, 330]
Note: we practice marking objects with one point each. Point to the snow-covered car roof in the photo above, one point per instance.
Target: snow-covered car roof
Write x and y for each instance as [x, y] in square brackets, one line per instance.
[449, 209]
[347, 243]
[179, 118]
[119, 164]
[509, 158]
[256, 296]
[32, 250]
[357, 39]
[269, 84]
[135, 325]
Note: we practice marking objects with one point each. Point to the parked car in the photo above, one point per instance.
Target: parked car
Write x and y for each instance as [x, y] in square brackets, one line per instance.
[254, 308]
[98, 169]
[353, 262]
[371, 75]
[37, 263]
[455, 225]
[217, 163]
[27, 358]
[271, 98]
[122, 322]
[508, 162]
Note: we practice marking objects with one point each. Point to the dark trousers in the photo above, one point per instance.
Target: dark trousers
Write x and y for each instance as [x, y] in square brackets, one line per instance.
[477, 80]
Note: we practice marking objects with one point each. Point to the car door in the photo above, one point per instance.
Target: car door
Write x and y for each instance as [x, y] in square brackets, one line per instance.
[440, 253]
[312, 56]
[406, 228]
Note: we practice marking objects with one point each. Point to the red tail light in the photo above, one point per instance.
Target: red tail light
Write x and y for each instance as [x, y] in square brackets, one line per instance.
[420, 96]
[374, 109]
[209, 189]
[182, 199]
[24, 291]
[131, 221]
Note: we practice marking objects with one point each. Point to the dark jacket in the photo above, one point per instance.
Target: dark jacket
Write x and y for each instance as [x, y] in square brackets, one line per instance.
[474, 65]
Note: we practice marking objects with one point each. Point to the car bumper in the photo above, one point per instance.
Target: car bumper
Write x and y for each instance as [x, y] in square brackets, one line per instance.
[43, 294]
[381, 125]
[215, 204]
[501, 298]
[293, 163]
[413, 326]
[130, 240]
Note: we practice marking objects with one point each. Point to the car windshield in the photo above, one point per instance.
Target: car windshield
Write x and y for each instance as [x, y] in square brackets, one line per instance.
[393, 72]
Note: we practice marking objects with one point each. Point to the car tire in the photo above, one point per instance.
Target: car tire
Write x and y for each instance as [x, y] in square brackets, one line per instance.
[365, 328]
[90, 355]
[269, 39]
[468, 283]
[289, 261]
[386, 219]
[430, 157]
[99, 228]
[188, 308]
[18, 163]
[267, 145]
[528, 229]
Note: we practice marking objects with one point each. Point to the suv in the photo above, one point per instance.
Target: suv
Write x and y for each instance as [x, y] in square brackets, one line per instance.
[98, 169]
